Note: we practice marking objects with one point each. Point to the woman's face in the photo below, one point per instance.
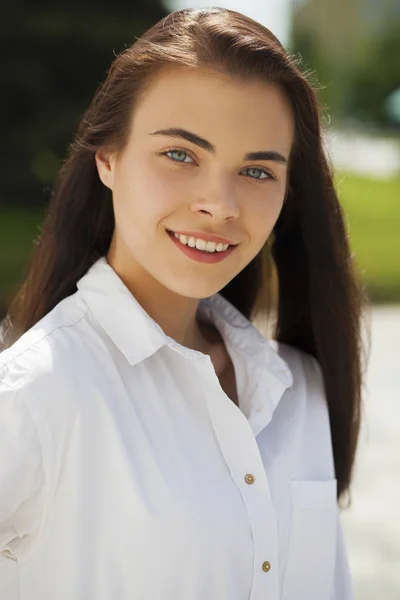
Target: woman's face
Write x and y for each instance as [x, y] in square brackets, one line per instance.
[161, 182]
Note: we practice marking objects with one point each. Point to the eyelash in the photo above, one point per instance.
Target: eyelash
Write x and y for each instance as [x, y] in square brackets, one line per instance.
[270, 176]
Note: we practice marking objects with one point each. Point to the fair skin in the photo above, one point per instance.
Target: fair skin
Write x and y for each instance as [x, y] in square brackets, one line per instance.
[196, 190]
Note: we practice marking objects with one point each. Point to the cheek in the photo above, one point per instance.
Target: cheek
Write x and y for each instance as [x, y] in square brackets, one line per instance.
[158, 190]
[263, 214]
[142, 200]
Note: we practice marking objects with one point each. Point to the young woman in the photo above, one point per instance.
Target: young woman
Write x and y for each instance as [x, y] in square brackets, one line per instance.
[155, 444]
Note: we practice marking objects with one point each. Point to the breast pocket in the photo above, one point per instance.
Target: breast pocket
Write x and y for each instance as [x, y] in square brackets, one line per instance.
[312, 543]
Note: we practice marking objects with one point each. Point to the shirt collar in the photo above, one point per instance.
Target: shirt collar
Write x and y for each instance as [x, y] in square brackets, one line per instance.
[138, 336]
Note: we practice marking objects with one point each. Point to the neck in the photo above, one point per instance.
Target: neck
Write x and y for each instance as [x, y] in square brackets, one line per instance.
[175, 314]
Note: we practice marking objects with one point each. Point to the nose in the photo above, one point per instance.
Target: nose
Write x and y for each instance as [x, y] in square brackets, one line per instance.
[218, 200]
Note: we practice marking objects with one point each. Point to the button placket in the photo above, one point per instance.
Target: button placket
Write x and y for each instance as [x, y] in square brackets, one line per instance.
[232, 436]
[250, 479]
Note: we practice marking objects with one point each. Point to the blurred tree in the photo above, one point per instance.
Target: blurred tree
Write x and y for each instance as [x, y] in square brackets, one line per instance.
[354, 48]
[326, 35]
[377, 77]
[56, 55]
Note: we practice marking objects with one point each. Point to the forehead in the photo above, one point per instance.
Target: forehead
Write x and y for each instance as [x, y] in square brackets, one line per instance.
[217, 105]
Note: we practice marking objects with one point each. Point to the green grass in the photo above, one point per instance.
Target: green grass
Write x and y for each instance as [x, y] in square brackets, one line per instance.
[372, 209]
[371, 206]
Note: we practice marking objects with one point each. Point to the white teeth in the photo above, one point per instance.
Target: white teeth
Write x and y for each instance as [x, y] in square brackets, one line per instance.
[201, 244]
[211, 246]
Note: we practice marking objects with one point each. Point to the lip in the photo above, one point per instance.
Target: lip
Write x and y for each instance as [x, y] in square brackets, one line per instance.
[208, 237]
[199, 255]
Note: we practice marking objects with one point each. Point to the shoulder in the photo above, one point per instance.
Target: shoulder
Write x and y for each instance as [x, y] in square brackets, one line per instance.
[305, 368]
[308, 401]
[65, 314]
[308, 387]
[44, 380]
[44, 361]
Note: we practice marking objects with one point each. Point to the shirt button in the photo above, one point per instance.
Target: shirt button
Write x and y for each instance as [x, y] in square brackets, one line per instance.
[249, 478]
[266, 566]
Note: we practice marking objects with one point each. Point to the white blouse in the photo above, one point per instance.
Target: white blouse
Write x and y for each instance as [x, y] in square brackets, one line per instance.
[127, 473]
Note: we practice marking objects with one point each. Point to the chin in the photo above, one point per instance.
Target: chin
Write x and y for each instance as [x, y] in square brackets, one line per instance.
[192, 288]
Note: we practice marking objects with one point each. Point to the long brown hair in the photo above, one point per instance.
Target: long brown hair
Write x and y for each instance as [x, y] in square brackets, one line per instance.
[320, 294]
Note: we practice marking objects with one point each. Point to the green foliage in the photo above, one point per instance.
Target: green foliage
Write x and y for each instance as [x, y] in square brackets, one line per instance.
[358, 87]
[377, 77]
[330, 79]
[18, 230]
[57, 54]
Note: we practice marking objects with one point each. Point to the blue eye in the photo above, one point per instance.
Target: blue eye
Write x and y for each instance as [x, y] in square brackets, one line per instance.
[175, 150]
[267, 174]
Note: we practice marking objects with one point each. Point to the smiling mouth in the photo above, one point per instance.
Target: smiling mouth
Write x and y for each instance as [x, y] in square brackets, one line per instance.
[222, 247]
[204, 256]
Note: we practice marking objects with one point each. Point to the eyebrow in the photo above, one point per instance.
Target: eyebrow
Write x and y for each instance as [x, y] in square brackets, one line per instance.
[196, 139]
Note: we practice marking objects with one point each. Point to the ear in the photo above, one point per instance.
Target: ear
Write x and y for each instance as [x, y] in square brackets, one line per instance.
[105, 167]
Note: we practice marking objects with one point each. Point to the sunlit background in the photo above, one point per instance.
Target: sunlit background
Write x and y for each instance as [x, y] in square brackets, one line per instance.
[55, 54]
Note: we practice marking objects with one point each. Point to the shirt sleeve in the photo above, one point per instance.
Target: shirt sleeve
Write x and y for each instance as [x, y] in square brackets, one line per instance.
[342, 581]
[21, 476]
